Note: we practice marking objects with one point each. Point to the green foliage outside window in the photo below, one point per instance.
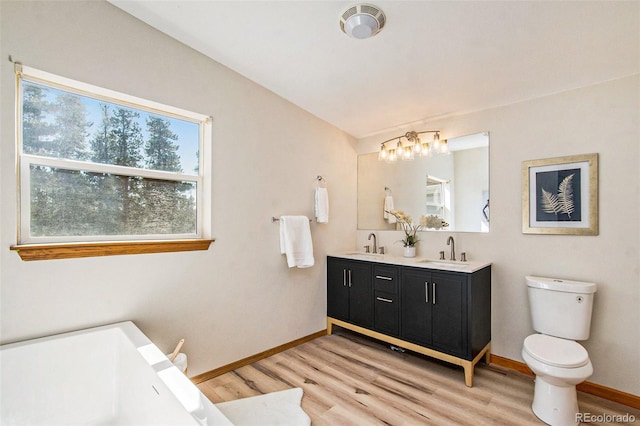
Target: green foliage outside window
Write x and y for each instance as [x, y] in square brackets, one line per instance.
[84, 201]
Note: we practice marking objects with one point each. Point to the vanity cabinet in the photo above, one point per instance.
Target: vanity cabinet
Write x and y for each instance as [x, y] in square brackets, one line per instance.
[439, 313]
[349, 292]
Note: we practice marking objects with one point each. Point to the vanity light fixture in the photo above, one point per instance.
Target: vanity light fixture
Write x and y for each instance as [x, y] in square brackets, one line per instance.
[413, 146]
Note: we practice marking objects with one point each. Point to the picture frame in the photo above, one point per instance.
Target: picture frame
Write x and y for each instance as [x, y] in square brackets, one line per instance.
[560, 195]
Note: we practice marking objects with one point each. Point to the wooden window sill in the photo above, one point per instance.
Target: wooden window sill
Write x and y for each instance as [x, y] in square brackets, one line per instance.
[29, 252]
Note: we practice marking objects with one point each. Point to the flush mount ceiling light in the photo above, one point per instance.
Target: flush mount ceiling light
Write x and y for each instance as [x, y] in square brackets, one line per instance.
[413, 146]
[362, 21]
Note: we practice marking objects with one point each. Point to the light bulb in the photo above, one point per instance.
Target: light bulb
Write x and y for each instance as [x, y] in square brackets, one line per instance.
[392, 156]
[417, 146]
[407, 153]
[444, 147]
[436, 142]
[383, 155]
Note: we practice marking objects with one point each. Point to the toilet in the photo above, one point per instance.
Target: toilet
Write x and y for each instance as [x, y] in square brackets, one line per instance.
[561, 314]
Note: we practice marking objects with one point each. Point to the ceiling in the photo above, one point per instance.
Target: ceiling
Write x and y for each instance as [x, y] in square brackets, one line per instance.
[432, 58]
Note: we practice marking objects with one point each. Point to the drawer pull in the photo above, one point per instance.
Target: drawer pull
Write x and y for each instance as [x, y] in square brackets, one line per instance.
[382, 299]
[380, 277]
[426, 291]
[434, 294]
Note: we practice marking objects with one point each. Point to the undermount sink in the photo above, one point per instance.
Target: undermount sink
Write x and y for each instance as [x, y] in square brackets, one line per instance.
[442, 261]
[365, 255]
[445, 263]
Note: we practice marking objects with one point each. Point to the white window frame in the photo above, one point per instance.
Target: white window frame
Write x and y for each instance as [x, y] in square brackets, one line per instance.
[24, 161]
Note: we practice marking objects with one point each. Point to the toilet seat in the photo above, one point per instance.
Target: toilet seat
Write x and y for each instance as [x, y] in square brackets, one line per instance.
[556, 351]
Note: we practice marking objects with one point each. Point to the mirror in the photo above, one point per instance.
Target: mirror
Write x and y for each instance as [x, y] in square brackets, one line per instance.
[453, 186]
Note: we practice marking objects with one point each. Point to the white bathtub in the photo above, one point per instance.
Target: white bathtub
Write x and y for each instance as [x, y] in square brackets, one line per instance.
[110, 375]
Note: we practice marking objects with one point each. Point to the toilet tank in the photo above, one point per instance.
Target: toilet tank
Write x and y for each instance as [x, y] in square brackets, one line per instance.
[561, 308]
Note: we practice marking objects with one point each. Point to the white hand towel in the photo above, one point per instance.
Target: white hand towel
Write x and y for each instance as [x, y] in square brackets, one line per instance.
[388, 206]
[295, 241]
[322, 205]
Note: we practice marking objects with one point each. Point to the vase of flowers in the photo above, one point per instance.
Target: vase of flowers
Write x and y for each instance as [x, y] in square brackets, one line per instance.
[411, 230]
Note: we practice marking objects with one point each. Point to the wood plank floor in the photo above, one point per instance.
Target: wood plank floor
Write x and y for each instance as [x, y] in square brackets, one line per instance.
[350, 379]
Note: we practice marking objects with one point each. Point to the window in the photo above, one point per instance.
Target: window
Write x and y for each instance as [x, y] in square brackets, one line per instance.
[97, 165]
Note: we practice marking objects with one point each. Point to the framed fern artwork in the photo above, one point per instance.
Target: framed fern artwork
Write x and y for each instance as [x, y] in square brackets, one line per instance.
[560, 195]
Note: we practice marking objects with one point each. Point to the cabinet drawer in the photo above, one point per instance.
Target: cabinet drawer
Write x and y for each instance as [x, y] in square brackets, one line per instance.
[385, 279]
[386, 313]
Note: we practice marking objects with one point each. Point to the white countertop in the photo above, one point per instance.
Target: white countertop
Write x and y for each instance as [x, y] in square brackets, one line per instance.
[416, 262]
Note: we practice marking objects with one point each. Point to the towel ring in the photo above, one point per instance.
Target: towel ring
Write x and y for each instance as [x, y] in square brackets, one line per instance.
[322, 182]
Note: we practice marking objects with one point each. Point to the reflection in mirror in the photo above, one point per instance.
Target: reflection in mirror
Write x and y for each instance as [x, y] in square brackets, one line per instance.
[453, 186]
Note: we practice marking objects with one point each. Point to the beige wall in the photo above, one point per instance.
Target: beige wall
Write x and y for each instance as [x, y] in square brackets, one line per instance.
[601, 119]
[238, 298]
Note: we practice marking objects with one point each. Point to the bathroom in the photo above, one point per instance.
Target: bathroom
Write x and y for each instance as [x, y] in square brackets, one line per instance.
[237, 298]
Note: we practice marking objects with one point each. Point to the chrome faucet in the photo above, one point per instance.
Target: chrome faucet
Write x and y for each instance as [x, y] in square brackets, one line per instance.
[375, 246]
[452, 243]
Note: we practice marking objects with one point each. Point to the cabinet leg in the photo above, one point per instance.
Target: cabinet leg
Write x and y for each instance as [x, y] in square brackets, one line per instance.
[487, 355]
[329, 326]
[468, 374]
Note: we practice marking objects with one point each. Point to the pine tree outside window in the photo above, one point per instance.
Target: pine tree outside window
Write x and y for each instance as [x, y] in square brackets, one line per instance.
[98, 165]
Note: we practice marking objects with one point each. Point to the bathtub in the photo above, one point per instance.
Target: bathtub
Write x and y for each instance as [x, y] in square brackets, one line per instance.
[109, 375]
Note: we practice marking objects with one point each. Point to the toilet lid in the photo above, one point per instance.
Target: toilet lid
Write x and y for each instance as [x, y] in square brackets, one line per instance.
[556, 351]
